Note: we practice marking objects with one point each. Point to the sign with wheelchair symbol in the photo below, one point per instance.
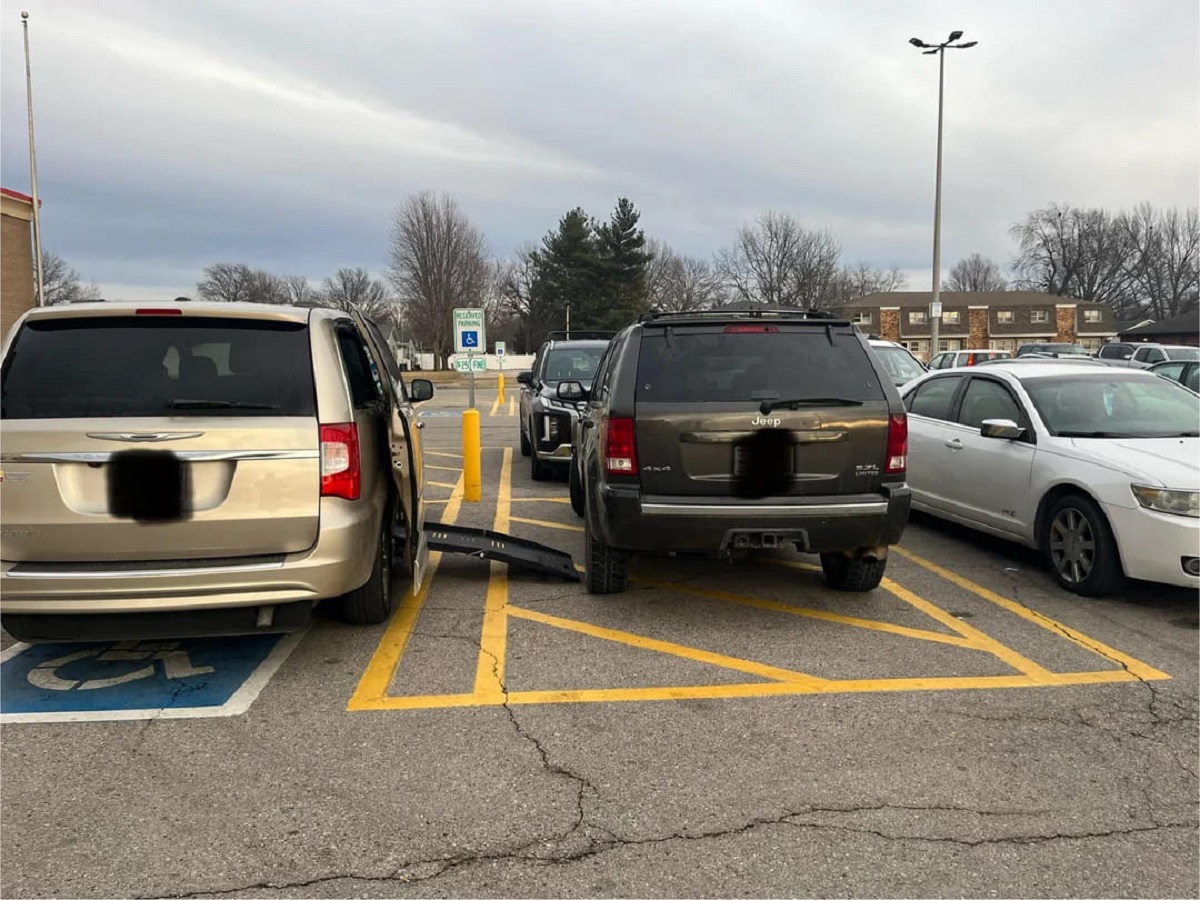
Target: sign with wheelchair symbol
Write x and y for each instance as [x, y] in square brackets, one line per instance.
[199, 677]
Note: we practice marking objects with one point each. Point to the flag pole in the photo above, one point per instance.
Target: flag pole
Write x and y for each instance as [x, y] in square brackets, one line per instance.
[37, 217]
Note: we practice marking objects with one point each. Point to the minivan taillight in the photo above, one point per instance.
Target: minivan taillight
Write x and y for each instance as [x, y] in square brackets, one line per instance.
[897, 444]
[341, 472]
[620, 449]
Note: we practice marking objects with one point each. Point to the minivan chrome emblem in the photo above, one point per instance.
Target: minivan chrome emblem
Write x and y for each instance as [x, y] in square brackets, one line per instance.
[762, 420]
[140, 437]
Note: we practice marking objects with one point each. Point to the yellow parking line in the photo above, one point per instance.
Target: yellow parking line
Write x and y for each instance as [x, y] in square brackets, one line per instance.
[512, 406]
[373, 686]
[440, 453]
[495, 406]
[541, 500]
[444, 468]
[1135, 667]
[776, 606]
[644, 643]
[493, 642]
[443, 484]
[545, 524]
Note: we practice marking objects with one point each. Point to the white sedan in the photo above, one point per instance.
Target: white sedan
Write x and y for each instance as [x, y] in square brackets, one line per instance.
[1099, 468]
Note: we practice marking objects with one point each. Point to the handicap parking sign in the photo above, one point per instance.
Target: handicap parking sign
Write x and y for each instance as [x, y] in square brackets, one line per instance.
[470, 339]
[138, 679]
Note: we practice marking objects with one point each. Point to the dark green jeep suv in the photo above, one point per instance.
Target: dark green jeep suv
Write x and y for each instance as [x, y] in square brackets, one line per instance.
[724, 431]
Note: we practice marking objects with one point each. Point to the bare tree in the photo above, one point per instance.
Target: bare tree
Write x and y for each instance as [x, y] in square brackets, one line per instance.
[975, 273]
[60, 282]
[1163, 260]
[778, 262]
[858, 281]
[1073, 252]
[678, 283]
[299, 292]
[238, 283]
[353, 290]
[438, 261]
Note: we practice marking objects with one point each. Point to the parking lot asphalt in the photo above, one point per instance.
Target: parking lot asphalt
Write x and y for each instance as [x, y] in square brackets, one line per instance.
[968, 729]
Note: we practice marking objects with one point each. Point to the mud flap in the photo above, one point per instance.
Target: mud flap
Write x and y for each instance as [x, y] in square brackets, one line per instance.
[485, 544]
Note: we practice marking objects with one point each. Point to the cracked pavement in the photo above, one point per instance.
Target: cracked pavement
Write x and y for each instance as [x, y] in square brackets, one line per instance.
[1080, 791]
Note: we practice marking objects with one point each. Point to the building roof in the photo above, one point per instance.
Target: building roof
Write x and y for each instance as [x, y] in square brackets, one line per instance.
[1188, 323]
[921, 299]
[17, 195]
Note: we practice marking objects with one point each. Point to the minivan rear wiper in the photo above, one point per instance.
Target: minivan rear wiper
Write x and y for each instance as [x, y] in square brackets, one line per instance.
[218, 404]
[767, 405]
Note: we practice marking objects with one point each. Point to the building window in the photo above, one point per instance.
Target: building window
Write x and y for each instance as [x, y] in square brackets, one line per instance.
[861, 318]
[1092, 344]
[1039, 316]
[919, 349]
[952, 318]
[1002, 344]
[917, 318]
[1004, 316]
[945, 344]
[1091, 316]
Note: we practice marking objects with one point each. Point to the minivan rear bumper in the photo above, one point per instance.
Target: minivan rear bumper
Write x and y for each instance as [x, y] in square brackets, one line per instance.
[815, 524]
[338, 562]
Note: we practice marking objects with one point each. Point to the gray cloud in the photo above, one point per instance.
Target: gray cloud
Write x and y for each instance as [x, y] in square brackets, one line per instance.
[172, 135]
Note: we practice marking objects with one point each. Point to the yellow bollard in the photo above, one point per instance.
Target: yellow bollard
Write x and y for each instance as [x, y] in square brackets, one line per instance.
[501, 388]
[472, 465]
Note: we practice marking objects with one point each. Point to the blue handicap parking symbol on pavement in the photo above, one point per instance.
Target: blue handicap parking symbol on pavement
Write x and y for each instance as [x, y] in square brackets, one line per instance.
[470, 338]
[138, 679]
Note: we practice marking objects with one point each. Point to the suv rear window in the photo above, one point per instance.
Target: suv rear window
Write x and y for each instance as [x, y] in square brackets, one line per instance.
[158, 366]
[682, 364]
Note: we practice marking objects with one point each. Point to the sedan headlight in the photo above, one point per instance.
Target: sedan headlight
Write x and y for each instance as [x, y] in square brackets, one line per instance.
[1178, 503]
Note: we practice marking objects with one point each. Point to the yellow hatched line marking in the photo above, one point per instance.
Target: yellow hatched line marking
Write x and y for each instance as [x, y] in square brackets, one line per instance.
[668, 647]
[493, 643]
[495, 406]
[776, 606]
[441, 453]
[544, 524]
[373, 686]
[541, 500]
[444, 468]
[1135, 667]
[442, 484]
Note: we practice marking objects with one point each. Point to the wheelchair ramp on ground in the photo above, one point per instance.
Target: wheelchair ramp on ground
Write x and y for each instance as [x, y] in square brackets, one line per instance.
[485, 544]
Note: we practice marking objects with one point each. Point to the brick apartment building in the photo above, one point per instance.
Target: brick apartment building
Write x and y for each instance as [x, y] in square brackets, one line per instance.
[16, 257]
[997, 320]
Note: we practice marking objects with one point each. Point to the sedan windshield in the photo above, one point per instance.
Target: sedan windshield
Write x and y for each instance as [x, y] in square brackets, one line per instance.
[1119, 406]
[900, 365]
[1187, 354]
[572, 364]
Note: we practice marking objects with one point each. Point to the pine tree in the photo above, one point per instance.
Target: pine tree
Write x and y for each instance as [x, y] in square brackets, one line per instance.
[624, 258]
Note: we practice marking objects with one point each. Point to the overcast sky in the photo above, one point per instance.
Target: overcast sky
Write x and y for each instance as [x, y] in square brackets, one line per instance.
[283, 133]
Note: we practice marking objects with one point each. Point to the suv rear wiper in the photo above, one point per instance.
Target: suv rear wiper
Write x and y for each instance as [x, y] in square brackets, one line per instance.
[767, 405]
[218, 404]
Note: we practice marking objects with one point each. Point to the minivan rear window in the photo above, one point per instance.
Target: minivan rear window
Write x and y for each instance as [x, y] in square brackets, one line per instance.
[157, 366]
[782, 362]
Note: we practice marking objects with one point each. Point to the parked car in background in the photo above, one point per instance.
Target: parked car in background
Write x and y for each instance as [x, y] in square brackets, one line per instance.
[1095, 467]
[1052, 349]
[203, 468]
[1042, 359]
[1186, 373]
[1147, 355]
[901, 366]
[546, 420]
[721, 432]
[1116, 353]
[952, 359]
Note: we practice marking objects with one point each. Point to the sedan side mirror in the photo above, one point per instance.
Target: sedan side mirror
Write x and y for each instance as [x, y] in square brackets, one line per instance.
[524, 377]
[571, 391]
[420, 389]
[1004, 429]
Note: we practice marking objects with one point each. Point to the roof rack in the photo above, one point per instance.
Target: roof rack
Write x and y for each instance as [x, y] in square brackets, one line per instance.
[580, 334]
[757, 312]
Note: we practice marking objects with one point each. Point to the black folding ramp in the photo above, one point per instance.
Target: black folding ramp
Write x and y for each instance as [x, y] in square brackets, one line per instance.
[485, 544]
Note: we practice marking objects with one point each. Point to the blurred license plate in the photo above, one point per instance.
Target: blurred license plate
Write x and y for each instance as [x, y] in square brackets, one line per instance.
[744, 458]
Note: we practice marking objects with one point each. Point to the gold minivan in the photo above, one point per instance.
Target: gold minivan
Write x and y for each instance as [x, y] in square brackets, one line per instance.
[195, 468]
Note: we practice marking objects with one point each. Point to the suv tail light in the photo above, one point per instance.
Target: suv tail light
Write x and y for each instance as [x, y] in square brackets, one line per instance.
[620, 449]
[752, 329]
[341, 472]
[897, 444]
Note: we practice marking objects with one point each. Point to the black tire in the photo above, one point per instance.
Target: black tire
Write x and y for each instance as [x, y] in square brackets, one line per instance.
[844, 573]
[1080, 548]
[372, 603]
[604, 567]
[575, 489]
[526, 447]
[538, 470]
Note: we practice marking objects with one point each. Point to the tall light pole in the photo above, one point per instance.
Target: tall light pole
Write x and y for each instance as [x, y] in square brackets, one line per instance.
[40, 297]
[935, 306]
